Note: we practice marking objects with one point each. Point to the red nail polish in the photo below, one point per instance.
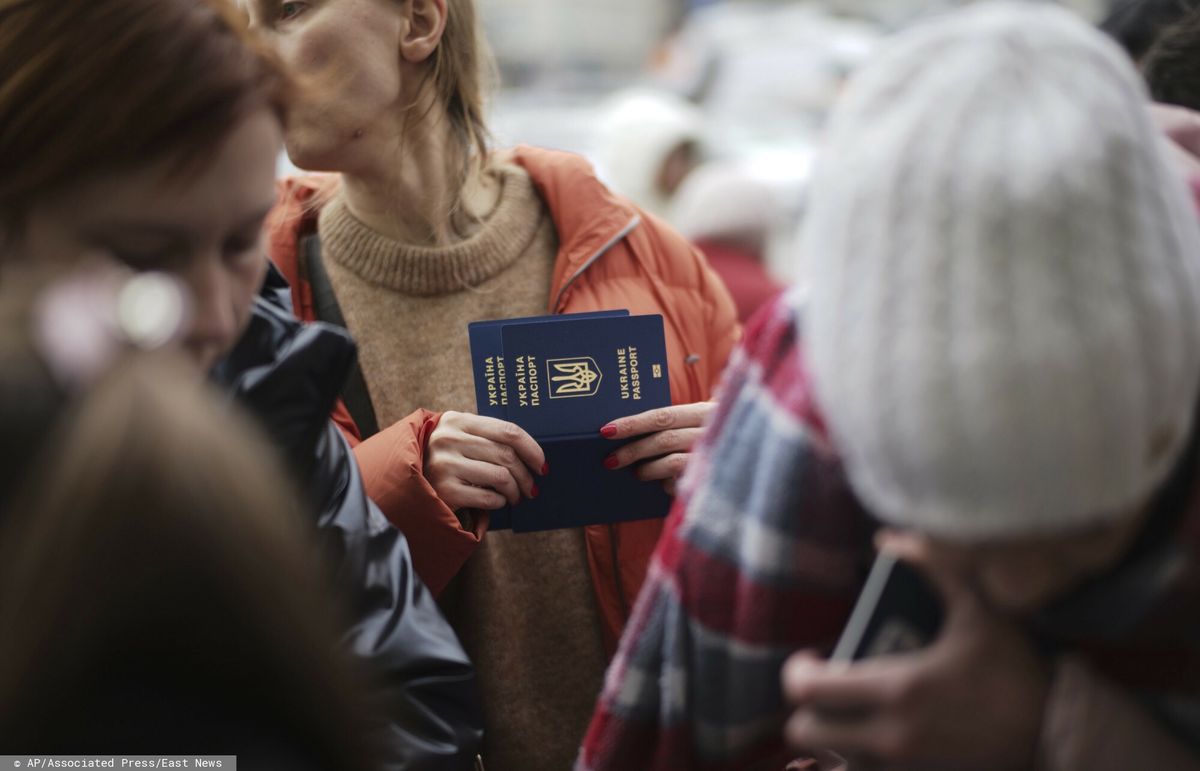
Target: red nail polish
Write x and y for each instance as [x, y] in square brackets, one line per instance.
[609, 431]
[533, 493]
[611, 462]
[545, 469]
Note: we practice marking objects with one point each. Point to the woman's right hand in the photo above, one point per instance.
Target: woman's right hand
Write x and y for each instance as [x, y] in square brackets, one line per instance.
[474, 462]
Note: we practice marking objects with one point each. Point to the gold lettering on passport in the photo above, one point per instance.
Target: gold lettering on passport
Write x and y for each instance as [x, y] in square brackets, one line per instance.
[572, 377]
[623, 372]
[529, 392]
[628, 376]
[497, 384]
[502, 377]
[489, 377]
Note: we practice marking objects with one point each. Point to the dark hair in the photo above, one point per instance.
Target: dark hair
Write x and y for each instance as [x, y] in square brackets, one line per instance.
[88, 86]
[1137, 24]
[158, 588]
[1172, 66]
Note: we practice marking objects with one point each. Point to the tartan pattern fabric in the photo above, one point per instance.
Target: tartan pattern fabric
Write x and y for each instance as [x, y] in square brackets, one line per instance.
[739, 580]
[764, 554]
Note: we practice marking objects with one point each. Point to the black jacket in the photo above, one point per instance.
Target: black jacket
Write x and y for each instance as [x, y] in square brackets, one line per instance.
[289, 375]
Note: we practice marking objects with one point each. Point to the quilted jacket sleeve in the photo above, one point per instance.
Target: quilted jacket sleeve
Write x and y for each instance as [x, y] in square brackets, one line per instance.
[392, 464]
[427, 679]
[722, 328]
[288, 374]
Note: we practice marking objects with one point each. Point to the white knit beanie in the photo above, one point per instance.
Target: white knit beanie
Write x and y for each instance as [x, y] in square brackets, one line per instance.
[1003, 322]
[722, 200]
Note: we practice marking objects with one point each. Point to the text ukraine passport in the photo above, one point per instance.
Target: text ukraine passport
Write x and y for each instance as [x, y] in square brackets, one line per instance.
[488, 363]
[561, 378]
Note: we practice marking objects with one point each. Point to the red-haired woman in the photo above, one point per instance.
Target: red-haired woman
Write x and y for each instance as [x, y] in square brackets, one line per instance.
[148, 130]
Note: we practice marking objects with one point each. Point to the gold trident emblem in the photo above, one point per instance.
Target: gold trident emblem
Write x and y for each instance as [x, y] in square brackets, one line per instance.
[573, 377]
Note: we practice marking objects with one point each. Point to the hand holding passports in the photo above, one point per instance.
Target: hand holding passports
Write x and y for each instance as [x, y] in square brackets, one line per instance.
[561, 378]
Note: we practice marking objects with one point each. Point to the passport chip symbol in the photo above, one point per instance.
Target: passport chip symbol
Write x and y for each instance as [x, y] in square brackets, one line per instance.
[572, 377]
[656, 370]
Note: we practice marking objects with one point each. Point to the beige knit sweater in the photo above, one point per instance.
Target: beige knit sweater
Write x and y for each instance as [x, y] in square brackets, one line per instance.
[523, 604]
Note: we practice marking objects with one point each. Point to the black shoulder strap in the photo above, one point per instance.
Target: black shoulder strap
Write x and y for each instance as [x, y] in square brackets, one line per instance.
[354, 392]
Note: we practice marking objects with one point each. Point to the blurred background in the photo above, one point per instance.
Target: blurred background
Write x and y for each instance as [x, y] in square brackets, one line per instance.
[744, 84]
[654, 91]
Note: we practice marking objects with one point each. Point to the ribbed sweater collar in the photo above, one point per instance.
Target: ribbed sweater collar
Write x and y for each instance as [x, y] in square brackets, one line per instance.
[506, 233]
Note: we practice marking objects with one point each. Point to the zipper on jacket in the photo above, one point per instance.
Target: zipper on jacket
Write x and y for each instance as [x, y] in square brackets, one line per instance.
[637, 220]
[612, 529]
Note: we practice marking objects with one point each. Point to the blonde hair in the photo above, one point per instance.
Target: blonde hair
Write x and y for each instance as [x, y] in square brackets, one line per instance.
[463, 73]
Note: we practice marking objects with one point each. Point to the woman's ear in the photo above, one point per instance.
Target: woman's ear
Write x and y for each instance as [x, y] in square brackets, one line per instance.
[425, 21]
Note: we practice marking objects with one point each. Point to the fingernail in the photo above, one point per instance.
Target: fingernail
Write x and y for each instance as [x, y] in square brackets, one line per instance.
[533, 492]
[545, 469]
[611, 462]
[609, 431]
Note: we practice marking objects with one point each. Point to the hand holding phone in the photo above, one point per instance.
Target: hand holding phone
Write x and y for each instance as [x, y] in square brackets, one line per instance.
[925, 675]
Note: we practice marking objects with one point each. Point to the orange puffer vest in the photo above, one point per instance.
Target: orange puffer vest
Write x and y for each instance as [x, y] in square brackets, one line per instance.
[611, 255]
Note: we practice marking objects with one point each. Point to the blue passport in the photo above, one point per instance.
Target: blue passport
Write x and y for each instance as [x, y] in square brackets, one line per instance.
[491, 375]
[487, 358]
[561, 378]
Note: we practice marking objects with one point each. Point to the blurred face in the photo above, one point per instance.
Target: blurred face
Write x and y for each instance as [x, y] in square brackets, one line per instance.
[205, 228]
[346, 55]
[1024, 575]
[676, 166]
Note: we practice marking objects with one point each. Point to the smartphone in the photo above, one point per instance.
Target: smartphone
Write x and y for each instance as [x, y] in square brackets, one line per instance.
[897, 611]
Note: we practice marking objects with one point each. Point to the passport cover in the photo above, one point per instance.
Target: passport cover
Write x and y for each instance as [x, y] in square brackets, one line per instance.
[487, 358]
[574, 376]
[561, 378]
[491, 381]
[580, 491]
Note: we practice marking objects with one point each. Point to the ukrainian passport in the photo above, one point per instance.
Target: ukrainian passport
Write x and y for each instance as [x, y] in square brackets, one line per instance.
[562, 378]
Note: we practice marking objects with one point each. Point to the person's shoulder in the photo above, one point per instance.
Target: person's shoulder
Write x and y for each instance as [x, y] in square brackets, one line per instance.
[307, 186]
[774, 333]
[773, 346]
[670, 256]
[547, 164]
[568, 184]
